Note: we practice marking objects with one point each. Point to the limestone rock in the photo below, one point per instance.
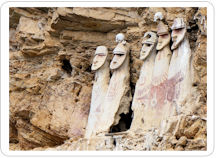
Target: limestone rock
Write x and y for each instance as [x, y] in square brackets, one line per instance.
[201, 17]
[33, 137]
[118, 96]
[91, 19]
[192, 130]
[51, 51]
[182, 141]
[99, 90]
[141, 105]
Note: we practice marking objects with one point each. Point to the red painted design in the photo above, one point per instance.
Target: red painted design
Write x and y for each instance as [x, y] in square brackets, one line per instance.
[96, 94]
[96, 98]
[158, 95]
[98, 109]
[142, 95]
[159, 56]
[112, 91]
[172, 86]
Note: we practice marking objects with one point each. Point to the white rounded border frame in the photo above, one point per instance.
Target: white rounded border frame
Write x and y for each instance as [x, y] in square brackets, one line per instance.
[5, 5]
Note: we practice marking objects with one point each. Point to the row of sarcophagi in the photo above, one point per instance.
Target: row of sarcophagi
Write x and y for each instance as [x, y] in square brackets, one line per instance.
[163, 85]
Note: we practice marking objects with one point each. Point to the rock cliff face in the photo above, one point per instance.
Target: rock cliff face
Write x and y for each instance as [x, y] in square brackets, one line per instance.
[51, 52]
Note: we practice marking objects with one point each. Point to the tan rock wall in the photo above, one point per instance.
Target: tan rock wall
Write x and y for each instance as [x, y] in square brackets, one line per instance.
[51, 50]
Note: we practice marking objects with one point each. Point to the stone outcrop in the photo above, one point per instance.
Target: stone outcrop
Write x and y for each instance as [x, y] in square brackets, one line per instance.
[141, 105]
[51, 52]
[118, 97]
[99, 90]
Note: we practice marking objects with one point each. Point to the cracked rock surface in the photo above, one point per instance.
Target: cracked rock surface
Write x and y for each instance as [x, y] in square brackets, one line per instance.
[51, 52]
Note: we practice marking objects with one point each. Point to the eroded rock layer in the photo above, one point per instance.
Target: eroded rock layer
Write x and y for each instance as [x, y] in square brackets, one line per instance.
[51, 52]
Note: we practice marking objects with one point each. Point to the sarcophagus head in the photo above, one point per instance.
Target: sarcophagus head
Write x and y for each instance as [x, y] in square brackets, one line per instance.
[120, 52]
[163, 36]
[100, 57]
[178, 32]
[148, 43]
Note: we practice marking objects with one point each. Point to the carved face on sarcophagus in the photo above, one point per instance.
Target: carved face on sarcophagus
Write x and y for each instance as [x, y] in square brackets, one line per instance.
[178, 32]
[99, 58]
[148, 43]
[120, 52]
[164, 36]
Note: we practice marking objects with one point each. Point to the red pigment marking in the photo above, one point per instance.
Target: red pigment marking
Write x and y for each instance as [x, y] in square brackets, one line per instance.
[98, 109]
[96, 98]
[142, 94]
[159, 91]
[165, 91]
[143, 82]
[156, 79]
[77, 132]
[112, 92]
[171, 85]
[159, 56]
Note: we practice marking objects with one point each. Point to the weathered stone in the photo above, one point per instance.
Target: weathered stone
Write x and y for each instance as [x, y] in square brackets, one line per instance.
[168, 125]
[180, 127]
[201, 17]
[36, 40]
[161, 107]
[182, 141]
[118, 97]
[196, 144]
[99, 90]
[13, 132]
[51, 51]
[31, 136]
[192, 130]
[140, 105]
[91, 19]
[179, 75]
[173, 140]
[179, 148]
